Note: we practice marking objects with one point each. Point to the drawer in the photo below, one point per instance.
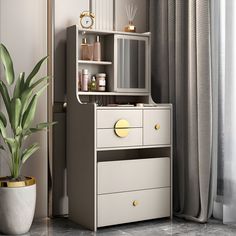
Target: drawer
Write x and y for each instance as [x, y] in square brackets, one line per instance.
[108, 138]
[108, 118]
[156, 130]
[126, 207]
[129, 175]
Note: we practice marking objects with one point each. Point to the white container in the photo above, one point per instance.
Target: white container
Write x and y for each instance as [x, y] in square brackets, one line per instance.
[101, 82]
[17, 206]
[84, 80]
[97, 50]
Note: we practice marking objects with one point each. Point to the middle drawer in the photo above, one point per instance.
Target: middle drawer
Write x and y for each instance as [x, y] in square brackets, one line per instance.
[130, 175]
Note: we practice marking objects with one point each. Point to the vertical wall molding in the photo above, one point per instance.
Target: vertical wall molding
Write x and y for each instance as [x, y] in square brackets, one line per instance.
[103, 10]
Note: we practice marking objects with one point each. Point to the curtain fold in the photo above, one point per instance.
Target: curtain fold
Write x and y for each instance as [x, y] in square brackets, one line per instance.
[181, 75]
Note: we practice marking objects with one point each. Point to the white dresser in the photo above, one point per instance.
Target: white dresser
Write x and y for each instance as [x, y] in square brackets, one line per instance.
[119, 157]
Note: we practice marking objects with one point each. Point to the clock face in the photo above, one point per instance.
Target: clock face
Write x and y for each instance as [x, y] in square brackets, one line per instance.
[86, 22]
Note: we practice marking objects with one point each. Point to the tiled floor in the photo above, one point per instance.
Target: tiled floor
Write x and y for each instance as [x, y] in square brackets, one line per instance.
[62, 226]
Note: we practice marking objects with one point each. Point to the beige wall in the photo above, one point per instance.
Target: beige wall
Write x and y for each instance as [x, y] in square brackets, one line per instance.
[23, 28]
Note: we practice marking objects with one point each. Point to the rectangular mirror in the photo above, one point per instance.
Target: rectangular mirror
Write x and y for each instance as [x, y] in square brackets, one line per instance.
[131, 64]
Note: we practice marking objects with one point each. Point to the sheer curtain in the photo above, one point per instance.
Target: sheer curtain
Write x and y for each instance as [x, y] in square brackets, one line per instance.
[223, 30]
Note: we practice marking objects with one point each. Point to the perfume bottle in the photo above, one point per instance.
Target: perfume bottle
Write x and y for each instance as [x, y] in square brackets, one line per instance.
[86, 50]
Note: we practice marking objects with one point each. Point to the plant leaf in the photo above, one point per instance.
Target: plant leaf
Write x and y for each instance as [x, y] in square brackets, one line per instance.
[15, 112]
[40, 81]
[18, 86]
[12, 144]
[45, 125]
[29, 113]
[3, 119]
[28, 152]
[5, 96]
[34, 71]
[7, 63]
[2, 129]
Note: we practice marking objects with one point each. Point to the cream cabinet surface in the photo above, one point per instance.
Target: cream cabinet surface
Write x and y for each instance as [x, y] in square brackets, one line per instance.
[119, 142]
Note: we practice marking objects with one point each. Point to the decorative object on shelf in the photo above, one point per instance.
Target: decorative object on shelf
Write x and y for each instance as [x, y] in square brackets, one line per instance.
[101, 82]
[86, 50]
[87, 19]
[17, 192]
[97, 49]
[131, 11]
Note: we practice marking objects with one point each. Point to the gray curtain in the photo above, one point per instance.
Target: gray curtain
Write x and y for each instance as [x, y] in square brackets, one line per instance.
[181, 75]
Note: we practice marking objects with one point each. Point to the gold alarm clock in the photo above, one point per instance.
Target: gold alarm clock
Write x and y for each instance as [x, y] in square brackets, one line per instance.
[87, 19]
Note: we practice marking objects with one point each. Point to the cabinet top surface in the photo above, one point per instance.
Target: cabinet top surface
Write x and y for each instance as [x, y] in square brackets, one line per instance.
[146, 106]
[106, 32]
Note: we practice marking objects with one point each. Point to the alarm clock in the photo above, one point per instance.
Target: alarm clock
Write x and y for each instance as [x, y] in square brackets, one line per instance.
[87, 19]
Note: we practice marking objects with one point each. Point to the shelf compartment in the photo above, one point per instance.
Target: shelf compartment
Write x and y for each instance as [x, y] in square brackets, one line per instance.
[95, 62]
[111, 94]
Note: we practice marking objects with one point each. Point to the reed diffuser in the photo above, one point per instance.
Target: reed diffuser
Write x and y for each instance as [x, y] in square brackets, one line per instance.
[131, 11]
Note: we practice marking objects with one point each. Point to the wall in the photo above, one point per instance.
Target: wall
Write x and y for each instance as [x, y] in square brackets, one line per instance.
[23, 28]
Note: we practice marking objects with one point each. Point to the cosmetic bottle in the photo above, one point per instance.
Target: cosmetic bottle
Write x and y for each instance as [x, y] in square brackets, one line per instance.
[84, 80]
[86, 50]
[101, 82]
[93, 85]
[97, 50]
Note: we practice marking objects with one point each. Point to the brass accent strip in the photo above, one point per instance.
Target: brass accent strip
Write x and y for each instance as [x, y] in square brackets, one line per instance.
[16, 184]
[135, 203]
[121, 128]
[157, 126]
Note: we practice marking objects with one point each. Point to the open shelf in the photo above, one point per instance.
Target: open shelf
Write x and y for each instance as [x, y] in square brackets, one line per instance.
[111, 94]
[95, 62]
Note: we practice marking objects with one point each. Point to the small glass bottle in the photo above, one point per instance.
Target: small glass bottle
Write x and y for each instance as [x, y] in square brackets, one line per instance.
[101, 82]
[93, 85]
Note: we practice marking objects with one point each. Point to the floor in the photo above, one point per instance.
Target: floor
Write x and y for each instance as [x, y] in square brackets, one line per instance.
[62, 226]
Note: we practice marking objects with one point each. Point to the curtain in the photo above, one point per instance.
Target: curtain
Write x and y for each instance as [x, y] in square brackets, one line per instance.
[224, 44]
[181, 75]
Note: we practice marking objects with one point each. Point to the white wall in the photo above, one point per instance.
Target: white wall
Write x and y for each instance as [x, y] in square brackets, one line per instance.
[23, 29]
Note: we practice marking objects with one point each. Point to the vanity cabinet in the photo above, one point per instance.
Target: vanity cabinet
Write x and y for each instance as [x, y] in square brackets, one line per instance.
[119, 154]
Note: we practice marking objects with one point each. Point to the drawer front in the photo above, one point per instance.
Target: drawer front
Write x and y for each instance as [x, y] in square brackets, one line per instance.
[130, 175]
[126, 207]
[157, 127]
[107, 138]
[108, 118]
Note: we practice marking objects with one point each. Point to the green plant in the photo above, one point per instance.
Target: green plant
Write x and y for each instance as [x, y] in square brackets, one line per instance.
[20, 99]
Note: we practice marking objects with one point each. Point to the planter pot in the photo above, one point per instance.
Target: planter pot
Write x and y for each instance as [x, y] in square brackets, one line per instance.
[17, 205]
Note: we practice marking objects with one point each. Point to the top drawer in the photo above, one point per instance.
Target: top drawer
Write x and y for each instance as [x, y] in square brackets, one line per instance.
[108, 118]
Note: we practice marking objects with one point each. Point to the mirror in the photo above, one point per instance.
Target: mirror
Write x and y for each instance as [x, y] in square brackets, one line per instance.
[131, 64]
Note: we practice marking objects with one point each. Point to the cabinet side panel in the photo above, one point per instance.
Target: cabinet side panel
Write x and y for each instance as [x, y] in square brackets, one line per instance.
[81, 155]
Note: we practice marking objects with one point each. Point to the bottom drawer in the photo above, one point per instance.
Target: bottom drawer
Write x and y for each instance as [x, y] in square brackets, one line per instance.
[127, 207]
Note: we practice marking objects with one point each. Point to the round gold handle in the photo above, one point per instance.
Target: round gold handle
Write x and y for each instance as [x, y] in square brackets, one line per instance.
[157, 126]
[135, 203]
[121, 128]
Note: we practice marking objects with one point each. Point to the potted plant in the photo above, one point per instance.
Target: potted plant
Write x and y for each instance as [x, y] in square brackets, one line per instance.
[20, 96]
